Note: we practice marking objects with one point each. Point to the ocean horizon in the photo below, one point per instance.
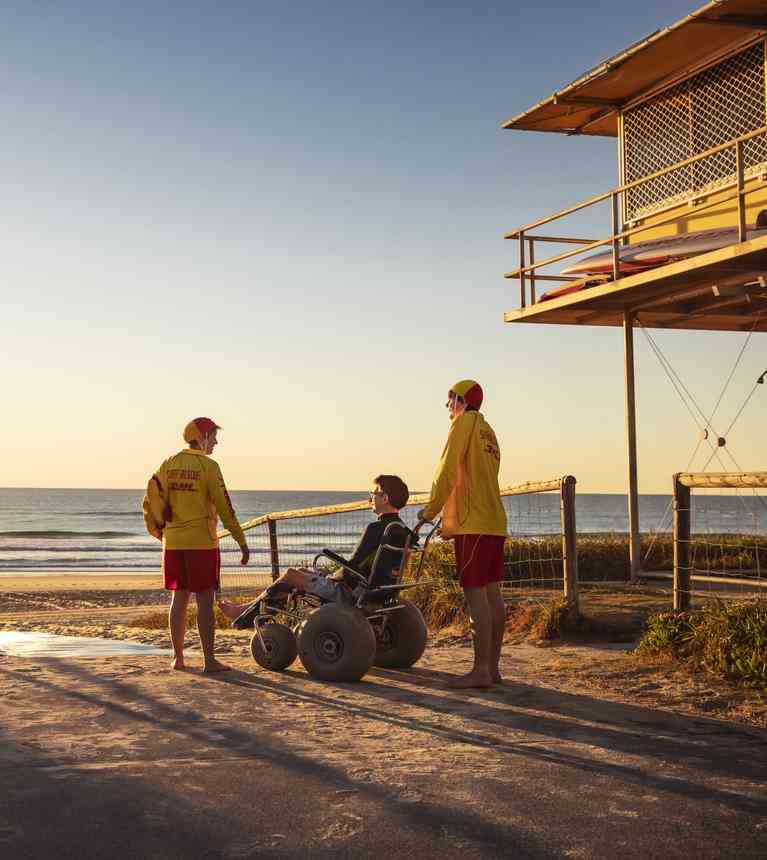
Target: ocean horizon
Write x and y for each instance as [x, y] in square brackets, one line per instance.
[102, 531]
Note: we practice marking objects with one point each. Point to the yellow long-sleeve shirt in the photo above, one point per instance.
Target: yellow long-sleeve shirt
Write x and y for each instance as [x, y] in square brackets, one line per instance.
[465, 486]
[194, 486]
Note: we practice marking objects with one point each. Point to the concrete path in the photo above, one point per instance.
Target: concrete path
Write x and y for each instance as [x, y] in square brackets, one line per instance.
[121, 758]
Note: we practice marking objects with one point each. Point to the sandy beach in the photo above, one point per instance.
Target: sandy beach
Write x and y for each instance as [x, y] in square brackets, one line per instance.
[112, 606]
[215, 765]
[79, 581]
[574, 756]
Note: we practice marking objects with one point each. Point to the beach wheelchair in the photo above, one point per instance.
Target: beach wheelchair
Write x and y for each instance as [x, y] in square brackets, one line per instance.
[342, 641]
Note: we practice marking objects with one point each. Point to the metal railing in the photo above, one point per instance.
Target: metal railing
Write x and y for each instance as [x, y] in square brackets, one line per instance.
[527, 270]
[285, 538]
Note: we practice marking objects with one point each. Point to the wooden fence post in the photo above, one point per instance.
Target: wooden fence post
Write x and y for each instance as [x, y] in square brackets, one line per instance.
[569, 544]
[274, 548]
[681, 545]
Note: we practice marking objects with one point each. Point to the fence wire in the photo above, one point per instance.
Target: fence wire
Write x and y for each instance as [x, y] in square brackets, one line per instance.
[726, 554]
[534, 558]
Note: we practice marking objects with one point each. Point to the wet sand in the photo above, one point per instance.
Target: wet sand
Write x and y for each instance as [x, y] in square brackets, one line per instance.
[79, 581]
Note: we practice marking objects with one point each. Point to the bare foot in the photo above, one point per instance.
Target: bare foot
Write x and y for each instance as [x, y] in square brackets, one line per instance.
[178, 664]
[231, 610]
[470, 681]
[215, 666]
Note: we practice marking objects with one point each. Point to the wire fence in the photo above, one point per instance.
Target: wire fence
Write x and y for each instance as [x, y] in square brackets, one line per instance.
[720, 537]
[540, 555]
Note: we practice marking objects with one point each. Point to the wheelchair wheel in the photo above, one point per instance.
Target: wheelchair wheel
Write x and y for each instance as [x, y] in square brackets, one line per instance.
[402, 641]
[279, 649]
[336, 643]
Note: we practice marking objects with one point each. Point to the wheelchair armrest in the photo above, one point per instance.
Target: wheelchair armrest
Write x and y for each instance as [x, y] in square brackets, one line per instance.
[334, 556]
[339, 559]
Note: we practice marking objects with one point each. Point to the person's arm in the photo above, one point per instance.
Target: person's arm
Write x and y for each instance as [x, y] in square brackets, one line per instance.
[363, 552]
[447, 471]
[367, 546]
[154, 502]
[224, 507]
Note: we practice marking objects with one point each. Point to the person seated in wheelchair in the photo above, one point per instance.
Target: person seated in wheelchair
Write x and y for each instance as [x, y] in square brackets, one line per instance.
[388, 496]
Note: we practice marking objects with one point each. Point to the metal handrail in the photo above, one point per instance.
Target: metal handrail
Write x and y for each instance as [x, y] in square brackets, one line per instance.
[623, 234]
[618, 235]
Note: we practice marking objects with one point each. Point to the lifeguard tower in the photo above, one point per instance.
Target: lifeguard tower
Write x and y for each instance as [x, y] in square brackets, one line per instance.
[688, 108]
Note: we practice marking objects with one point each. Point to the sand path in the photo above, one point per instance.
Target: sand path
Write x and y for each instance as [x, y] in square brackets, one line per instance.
[121, 757]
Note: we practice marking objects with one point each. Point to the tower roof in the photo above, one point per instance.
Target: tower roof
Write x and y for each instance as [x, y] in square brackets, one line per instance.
[591, 104]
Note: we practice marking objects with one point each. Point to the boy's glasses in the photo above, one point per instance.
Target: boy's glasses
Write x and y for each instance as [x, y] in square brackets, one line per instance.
[374, 493]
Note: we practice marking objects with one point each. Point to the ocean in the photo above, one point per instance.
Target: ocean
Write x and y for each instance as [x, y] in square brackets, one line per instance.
[102, 531]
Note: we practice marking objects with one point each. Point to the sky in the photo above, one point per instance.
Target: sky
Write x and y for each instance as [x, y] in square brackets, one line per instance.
[289, 216]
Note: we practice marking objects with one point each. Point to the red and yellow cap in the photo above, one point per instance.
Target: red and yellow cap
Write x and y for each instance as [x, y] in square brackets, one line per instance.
[199, 427]
[470, 391]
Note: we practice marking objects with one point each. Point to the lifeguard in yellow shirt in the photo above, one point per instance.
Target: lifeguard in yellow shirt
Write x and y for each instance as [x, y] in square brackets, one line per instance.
[185, 497]
[466, 491]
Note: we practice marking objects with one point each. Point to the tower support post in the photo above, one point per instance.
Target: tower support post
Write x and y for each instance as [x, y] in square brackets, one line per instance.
[631, 439]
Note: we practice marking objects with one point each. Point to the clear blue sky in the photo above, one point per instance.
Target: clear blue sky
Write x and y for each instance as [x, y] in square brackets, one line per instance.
[289, 216]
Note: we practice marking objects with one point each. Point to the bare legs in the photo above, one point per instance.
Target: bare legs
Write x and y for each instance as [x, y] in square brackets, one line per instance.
[488, 615]
[206, 626]
[498, 619]
[177, 626]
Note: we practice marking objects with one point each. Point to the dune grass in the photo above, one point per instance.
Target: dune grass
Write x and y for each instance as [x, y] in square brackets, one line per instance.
[158, 619]
[606, 613]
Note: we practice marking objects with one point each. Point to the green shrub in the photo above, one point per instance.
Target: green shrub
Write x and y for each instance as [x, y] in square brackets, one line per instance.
[727, 639]
[666, 631]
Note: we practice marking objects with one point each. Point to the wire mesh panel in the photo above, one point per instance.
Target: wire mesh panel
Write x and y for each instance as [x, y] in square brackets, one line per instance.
[295, 542]
[720, 537]
[300, 540]
[259, 570]
[534, 556]
[541, 520]
[708, 109]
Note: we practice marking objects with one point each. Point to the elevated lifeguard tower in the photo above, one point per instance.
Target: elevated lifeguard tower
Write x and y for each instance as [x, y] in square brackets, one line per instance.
[689, 109]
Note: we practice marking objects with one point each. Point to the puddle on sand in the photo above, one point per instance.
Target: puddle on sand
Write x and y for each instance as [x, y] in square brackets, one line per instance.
[17, 644]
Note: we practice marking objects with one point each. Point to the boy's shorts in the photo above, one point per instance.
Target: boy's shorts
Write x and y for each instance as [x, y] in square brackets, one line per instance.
[479, 559]
[329, 590]
[191, 569]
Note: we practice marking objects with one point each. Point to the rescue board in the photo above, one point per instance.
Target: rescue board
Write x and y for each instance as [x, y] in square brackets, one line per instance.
[575, 286]
[659, 252]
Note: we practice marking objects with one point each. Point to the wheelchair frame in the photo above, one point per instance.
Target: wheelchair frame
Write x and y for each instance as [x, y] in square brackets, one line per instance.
[301, 601]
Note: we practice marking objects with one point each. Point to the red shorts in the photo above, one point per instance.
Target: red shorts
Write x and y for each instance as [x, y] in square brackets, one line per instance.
[191, 569]
[479, 559]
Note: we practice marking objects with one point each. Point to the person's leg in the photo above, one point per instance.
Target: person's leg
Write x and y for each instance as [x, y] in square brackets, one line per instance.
[177, 625]
[292, 578]
[498, 624]
[206, 627]
[479, 610]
